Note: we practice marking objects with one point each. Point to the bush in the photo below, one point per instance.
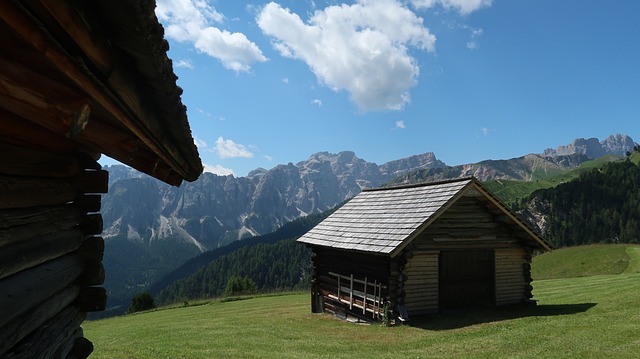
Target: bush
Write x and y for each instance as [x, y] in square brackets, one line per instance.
[240, 285]
[140, 302]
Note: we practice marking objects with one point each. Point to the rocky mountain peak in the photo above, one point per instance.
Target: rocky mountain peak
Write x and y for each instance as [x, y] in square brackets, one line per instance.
[593, 148]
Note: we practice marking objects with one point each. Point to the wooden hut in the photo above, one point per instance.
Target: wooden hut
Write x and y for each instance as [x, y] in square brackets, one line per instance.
[77, 79]
[421, 249]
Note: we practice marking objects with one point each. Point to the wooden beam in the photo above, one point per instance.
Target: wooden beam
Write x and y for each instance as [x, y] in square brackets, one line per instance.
[19, 131]
[50, 104]
[21, 192]
[20, 327]
[22, 161]
[23, 291]
[25, 223]
[89, 39]
[43, 42]
[25, 254]
[44, 342]
[92, 299]
[88, 202]
[92, 181]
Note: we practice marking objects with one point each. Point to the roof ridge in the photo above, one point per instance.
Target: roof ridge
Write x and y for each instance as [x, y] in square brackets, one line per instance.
[422, 184]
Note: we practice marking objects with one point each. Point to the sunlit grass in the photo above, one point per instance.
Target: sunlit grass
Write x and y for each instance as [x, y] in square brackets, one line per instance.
[586, 317]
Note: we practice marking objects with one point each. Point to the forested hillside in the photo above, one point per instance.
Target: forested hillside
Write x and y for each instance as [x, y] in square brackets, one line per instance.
[285, 265]
[273, 262]
[600, 206]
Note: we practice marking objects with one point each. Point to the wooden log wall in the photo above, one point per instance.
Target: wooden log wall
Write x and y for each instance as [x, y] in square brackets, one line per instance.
[513, 276]
[421, 286]
[50, 252]
[324, 285]
[472, 223]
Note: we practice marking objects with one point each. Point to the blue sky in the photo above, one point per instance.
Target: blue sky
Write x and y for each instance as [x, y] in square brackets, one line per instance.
[267, 83]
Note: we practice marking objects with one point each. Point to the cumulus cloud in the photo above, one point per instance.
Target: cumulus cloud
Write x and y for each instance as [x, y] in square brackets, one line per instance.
[360, 48]
[218, 170]
[463, 6]
[190, 21]
[317, 102]
[400, 124]
[229, 149]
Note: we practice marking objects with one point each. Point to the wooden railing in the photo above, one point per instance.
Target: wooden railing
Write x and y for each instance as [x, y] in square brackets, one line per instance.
[369, 299]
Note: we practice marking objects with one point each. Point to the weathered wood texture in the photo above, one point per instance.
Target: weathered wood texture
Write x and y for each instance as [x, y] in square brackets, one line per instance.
[326, 285]
[511, 284]
[50, 259]
[421, 286]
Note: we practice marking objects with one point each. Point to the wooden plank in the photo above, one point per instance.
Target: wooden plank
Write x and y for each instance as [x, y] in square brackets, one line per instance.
[23, 161]
[91, 224]
[88, 203]
[89, 39]
[132, 115]
[21, 192]
[21, 255]
[20, 327]
[18, 131]
[82, 348]
[51, 104]
[22, 291]
[92, 181]
[92, 299]
[92, 249]
[24, 223]
[45, 341]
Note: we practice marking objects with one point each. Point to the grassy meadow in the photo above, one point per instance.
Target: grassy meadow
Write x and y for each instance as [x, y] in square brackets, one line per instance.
[578, 316]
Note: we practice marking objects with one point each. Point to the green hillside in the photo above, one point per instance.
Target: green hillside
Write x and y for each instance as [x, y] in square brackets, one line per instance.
[585, 261]
[511, 191]
[600, 206]
[584, 317]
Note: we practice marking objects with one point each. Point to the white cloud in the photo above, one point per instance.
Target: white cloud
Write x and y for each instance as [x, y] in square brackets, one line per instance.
[400, 124]
[268, 158]
[463, 6]
[317, 102]
[472, 44]
[285, 80]
[185, 63]
[190, 21]
[360, 48]
[217, 169]
[230, 149]
[199, 143]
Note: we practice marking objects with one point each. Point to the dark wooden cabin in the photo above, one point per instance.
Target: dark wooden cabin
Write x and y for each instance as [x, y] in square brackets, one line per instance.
[78, 79]
[421, 249]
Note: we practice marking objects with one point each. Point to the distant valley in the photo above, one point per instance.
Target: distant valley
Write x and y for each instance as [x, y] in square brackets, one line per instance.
[151, 228]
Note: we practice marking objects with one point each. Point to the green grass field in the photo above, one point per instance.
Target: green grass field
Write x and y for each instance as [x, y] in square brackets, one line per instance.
[595, 316]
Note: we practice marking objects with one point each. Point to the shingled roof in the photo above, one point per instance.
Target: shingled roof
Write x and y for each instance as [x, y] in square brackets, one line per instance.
[384, 220]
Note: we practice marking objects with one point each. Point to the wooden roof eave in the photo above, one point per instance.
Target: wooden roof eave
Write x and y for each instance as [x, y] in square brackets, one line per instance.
[129, 112]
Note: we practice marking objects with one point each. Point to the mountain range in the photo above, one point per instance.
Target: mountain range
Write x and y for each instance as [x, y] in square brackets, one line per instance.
[151, 228]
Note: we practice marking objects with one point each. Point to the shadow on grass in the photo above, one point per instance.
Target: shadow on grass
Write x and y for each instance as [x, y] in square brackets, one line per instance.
[466, 317]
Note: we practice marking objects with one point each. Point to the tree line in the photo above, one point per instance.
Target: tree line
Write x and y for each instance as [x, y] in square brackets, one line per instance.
[600, 206]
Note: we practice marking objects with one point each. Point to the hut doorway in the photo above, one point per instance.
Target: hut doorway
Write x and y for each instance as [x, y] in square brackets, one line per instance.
[466, 279]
